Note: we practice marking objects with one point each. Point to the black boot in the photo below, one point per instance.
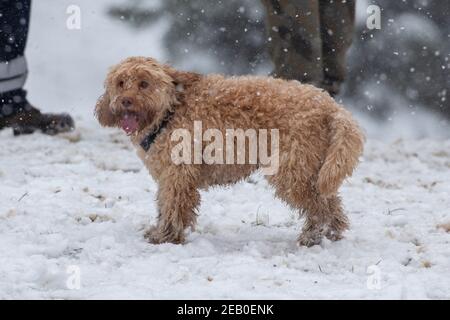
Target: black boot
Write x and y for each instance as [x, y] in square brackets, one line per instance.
[333, 86]
[23, 118]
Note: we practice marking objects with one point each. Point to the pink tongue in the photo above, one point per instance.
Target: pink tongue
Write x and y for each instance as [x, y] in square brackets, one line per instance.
[129, 123]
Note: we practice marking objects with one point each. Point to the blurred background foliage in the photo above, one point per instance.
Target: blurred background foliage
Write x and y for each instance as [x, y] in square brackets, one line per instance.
[403, 65]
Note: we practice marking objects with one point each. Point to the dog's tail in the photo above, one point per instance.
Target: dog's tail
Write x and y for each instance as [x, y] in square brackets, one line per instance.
[346, 146]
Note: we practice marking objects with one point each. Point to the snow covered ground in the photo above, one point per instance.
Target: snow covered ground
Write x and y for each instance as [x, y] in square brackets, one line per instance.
[82, 204]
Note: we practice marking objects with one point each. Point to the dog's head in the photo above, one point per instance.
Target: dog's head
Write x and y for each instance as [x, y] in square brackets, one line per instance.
[138, 93]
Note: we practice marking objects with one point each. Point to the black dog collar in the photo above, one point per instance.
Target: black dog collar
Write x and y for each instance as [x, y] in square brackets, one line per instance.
[150, 138]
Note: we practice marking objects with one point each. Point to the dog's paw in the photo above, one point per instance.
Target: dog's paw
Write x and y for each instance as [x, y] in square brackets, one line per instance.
[309, 239]
[333, 235]
[155, 236]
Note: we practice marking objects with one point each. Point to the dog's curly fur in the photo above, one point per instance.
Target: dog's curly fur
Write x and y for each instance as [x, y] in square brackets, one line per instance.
[319, 142]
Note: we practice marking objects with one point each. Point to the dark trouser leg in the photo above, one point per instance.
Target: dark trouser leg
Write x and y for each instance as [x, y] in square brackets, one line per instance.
[14, 22]
[337, 19]
[295, 45]
[15, 111]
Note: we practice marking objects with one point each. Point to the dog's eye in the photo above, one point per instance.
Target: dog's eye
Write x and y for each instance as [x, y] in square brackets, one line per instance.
[121, 83]
[143, 84]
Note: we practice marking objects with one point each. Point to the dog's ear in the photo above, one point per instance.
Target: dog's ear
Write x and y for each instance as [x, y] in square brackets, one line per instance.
[103, 111]
[183, 78]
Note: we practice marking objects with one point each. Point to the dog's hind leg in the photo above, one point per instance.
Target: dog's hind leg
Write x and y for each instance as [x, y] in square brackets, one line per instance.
[339, 221]
[299, 196]
[293, 184]
[317, 219]
[320, 213]
[177, 199]
[324, 217]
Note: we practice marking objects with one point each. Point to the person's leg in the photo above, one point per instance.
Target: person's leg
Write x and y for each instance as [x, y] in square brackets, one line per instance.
[294, 39]
[13, 68]
[337, 18]
[15, 111]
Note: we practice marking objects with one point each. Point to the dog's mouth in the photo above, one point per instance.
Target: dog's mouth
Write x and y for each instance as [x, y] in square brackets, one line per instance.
[129, 123]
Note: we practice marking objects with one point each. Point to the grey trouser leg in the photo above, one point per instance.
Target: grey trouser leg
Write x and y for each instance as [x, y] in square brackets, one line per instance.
[337, 19]
[13, 74]
[295, 44]
[309, 39]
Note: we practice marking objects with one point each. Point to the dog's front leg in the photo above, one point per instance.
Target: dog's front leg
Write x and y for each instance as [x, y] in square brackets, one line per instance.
[178, 200]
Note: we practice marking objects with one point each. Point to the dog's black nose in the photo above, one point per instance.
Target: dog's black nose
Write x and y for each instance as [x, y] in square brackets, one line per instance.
[126, 102]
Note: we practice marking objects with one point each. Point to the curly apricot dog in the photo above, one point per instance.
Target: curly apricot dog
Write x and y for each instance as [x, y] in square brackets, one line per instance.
[319, 142]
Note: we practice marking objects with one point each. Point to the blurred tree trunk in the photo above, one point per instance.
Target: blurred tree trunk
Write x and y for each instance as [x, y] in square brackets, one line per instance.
[403, 66]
